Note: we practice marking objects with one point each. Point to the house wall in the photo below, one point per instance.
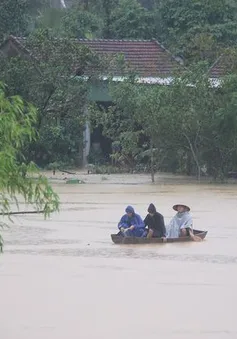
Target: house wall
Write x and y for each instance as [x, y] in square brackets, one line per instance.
[87, 144]
[99, 91]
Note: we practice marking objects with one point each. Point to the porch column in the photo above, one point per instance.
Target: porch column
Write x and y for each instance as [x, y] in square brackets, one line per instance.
[86, 142]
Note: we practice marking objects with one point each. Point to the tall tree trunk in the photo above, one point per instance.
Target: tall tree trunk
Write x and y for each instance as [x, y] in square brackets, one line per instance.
[152, 163]
[189, 164]
[194, 157]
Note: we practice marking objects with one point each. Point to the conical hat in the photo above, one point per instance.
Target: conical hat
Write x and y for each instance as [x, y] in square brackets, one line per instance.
[175, 207]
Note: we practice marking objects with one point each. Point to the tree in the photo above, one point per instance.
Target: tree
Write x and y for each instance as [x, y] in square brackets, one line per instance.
[75, 21]
[188, 123]
[189, 107]
[131, 20]
[114, 19]
[119, 124]
[80, 23]
[108, 7]
[51, 18]
[93, 17]
[51, 78]
[144, 121]
[196, 29]
[221, 157]
[140, 120]
[17, 121]
[17, 16]
[13, 17]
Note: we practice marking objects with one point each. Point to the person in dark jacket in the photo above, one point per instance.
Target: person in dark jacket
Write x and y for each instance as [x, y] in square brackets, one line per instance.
[155, 223]
[131, 224]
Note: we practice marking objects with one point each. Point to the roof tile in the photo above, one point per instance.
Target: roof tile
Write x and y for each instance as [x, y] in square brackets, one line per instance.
[148, 58]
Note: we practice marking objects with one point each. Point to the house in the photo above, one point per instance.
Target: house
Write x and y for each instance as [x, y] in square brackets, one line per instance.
[148, 59]
[225, 64]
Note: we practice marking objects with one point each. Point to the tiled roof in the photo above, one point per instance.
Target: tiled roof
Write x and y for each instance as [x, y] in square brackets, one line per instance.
[13, 45]
[147, 58]
[224, 65]
[218, 69]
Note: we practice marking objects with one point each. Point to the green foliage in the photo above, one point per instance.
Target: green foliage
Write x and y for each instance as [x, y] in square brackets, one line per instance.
[17, 16]
[52, 19]
[79, 23]
[96, 157]
[119, 124]
[188, 118]
[56, 165]
[113, 19]
[222, 154]
[196, 29]
[13, 17]
[107, 169]
[49, 80]
[16, 130]
[184, 127]
[178, 127]
[131, 20]
[72, 22]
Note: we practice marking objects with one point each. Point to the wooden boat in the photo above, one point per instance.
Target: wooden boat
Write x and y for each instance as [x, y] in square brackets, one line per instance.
[119, 239]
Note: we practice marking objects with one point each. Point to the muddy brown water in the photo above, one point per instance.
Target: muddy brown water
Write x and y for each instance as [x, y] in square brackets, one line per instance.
[64, 278]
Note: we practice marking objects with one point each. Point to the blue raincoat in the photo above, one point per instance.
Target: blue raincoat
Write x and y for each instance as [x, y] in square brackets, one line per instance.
[134, 220]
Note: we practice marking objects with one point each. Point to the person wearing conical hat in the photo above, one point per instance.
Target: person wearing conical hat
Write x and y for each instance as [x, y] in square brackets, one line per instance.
[181, 224]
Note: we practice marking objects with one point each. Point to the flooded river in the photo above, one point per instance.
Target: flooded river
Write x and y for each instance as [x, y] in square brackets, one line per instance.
[64, 278]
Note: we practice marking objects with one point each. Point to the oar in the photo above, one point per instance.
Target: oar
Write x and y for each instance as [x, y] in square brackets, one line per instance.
[194, 237]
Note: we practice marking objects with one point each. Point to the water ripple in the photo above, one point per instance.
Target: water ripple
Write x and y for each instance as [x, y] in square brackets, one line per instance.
[126, 253]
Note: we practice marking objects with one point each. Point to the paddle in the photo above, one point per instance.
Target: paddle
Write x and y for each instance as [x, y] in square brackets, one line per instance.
[194, 237]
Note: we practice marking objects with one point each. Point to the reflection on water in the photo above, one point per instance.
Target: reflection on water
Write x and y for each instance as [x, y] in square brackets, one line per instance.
[64, 278]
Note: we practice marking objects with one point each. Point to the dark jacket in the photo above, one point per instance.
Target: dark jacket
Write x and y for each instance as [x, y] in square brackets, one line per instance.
[156, 223]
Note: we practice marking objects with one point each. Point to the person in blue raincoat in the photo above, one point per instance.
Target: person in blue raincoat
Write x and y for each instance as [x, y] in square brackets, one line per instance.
[131, 223]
